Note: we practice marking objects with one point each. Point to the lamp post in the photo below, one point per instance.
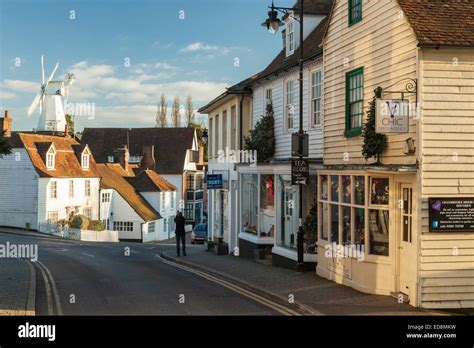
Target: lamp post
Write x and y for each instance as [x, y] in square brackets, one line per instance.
[272, 23]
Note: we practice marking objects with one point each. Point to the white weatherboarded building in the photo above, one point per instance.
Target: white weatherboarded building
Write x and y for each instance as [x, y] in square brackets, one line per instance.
[46, 179]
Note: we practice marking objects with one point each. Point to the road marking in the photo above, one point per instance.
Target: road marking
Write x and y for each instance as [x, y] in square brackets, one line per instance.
[257, 298]
[90, 255]
[49, 301]
[51, 283]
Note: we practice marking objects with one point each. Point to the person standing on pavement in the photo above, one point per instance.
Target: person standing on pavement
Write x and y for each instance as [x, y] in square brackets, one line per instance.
[180, 232]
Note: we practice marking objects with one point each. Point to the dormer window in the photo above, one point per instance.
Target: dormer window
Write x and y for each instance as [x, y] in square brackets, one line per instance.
[110, 159]
[85, 158]
[290, 37]
[51, 158]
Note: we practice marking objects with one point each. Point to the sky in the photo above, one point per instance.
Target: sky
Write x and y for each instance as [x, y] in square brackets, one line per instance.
[124, 54]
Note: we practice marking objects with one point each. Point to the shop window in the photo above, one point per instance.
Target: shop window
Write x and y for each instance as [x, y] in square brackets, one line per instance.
[324, 187]
[288, 208]
[346, 189]
[379, 191]
[359, 226]
[359, 190]
[324, 220]
[334, 188]
[378, 229]
[346, 225]
[250, 202]
[334, 223]
[267, 206]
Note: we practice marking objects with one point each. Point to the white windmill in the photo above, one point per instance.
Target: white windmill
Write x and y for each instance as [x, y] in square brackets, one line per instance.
[49, 100]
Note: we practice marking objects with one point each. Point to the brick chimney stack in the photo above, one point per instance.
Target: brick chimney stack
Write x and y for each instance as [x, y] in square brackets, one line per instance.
[148, 159]
[123, 156]
[6, 125]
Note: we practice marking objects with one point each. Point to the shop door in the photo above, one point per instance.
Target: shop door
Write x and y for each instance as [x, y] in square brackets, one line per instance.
[405, 247]
[289, 235]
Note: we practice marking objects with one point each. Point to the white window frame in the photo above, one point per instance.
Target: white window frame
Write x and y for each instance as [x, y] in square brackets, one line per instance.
[163, 201]
[151, 227]
[313, 123]
[105, 197]
[85, 159]
[289, 95]
[53, 190]
[71, 189]
[172, 200]
[87, 212]
[290, 38]
[51, 158]
[123, 226]
[52, 217]
[87, 188]
[268, 96]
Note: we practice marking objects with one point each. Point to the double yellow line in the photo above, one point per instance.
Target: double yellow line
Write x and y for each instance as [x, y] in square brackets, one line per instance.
[238, 289]
[52, 295]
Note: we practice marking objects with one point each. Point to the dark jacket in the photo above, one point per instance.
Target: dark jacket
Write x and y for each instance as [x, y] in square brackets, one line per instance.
[180, 221]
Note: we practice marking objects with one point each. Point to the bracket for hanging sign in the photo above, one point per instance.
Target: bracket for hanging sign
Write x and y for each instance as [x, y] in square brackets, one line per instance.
[410, 88]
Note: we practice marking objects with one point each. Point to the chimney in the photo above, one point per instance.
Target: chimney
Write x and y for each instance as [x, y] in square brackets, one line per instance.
[201, 154]
[122, 155]
[148, 159]
[6, 125]
[66, 131]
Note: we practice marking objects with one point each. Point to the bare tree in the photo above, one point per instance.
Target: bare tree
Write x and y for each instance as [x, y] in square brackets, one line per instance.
[161, 113]
[175, 113]
[189, 110]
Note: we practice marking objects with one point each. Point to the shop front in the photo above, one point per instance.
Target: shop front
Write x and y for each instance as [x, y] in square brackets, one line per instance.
[270, 215]
[367, 227]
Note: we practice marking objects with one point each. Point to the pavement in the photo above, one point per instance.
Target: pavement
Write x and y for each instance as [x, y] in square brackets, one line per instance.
[311, 294]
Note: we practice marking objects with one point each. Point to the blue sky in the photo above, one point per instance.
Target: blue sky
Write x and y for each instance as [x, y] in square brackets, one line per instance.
[167, 53]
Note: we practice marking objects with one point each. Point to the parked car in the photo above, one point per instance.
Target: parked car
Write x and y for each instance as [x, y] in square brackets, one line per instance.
[199, 234]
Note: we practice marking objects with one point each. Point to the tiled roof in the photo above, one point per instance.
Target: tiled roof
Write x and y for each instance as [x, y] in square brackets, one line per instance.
[171, 144]
[67, 164]
[441, 22]
[150, 181]
[111, 179]
[315, 7]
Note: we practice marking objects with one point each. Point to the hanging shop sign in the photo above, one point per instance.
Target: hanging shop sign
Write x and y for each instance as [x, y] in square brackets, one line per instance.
[299, 171]
[214, 181]
[451, 214]
[392, 115]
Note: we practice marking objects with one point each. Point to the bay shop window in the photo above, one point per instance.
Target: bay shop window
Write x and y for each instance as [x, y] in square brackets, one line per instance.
[258, 204]
[354, 210]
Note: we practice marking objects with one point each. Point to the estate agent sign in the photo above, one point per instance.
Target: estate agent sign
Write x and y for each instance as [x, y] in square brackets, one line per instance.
[391, 116]
[214, 181]
[451, 214]
[299, 171]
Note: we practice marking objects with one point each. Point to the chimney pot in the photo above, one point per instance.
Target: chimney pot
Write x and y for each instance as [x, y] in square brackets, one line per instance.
[6, 113]
[66, 131]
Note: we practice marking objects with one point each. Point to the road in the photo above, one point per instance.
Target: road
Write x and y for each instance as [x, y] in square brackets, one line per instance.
[83, 278]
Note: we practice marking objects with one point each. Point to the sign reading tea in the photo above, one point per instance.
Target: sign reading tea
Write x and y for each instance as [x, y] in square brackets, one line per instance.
[391, 116]
[451, 214]
[299, 171]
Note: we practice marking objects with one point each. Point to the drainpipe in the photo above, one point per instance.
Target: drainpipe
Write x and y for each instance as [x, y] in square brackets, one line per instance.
[241, 122]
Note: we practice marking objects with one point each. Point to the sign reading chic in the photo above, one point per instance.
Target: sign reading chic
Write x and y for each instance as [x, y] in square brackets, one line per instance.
[391, 115]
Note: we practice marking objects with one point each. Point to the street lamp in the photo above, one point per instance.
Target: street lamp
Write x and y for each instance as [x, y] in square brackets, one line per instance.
[273, 23]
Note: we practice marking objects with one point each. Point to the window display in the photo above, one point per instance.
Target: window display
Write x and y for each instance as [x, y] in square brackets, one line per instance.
[334, 188]
[288, 208]
[378, 229]
[346, 225]
[359, 190]
[323, 179]
[250, 202]
[379, 191]
[346, 189]
[267, 206]
[334, 223]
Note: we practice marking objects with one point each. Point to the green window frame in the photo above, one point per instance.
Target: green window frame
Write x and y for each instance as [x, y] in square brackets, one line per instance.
[355, 11]
[354, 102]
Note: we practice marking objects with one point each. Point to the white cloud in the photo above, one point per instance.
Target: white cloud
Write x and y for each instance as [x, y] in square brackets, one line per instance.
[22, 86]
[199, 46]
[7, 95]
